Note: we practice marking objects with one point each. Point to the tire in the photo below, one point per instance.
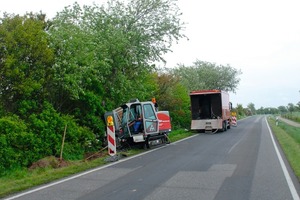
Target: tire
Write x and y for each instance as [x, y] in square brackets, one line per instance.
[229, 126]
[145, 145]
[224, 126]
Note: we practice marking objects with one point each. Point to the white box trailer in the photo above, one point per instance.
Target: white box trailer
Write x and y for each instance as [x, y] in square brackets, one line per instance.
[210, 110]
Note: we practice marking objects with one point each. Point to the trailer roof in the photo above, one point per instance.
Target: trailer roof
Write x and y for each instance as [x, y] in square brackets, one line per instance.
[195, 92]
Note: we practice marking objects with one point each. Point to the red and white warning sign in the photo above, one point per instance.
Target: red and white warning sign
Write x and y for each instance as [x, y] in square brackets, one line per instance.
[111, 138]
[233, 121]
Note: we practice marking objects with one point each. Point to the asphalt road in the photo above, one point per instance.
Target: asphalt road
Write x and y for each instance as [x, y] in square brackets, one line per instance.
[241, 163]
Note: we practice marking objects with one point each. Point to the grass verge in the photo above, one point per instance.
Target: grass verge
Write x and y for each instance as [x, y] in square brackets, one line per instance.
[289, 140]
[294, 116]
[23, 179]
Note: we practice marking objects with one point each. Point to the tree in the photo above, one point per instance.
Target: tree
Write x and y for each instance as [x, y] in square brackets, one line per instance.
[25, 60]
[291, 107]
[117, 41]
[298, 106]
[261, 111]
[251, 107]
[172, 96]
[268, 110]
[282, 109]
[104, 54]
[240, 110]
[31, 127]
[205, 75]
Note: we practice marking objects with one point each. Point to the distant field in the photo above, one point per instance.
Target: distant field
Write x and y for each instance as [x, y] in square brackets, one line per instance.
[295, 116]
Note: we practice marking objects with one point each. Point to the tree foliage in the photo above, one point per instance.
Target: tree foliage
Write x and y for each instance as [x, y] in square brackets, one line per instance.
[26, 141]
[282, 109]
[111, 47]
[251, 107]
[70, 70]
[206, 75]
[291, 107]
[114, 44]
[25, 59]
[173, 96]
[298, 106]
[240, 110]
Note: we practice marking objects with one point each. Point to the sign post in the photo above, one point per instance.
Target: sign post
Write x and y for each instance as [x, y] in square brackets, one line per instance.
[233, 119]
[111, 136]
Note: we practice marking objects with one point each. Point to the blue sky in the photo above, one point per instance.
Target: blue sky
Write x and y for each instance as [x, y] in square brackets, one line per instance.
[259, 37]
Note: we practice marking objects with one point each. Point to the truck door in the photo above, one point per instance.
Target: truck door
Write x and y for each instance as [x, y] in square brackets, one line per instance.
[129, 118]
[150, 119]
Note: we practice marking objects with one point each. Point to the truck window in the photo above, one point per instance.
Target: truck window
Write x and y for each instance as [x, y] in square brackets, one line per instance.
[132, 114]
[135, 112]
[149, 112]
[125, 115]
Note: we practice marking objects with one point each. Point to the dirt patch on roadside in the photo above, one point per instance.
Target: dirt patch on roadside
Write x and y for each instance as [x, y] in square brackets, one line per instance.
[49, 162]
[92, 156]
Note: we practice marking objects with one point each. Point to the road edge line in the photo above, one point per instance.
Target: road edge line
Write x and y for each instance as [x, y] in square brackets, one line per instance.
[283, 166]
[90, 171]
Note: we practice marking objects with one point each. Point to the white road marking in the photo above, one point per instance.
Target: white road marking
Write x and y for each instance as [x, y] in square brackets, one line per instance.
[90, 171]
[284, 169]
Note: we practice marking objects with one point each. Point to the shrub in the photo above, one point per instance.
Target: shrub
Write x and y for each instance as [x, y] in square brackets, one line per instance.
[24, 142]
[49, 127]
[16, 142]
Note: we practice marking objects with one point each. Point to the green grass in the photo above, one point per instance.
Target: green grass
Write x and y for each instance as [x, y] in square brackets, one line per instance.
[22, 179]
[295, 116]
[179, 134]
[289, 140]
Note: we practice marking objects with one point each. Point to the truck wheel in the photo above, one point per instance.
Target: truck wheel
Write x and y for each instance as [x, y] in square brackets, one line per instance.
[224, 126]
[229, 126]
[145, 145]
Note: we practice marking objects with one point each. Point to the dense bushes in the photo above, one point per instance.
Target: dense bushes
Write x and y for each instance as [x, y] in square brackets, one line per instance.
[25, 141]
[17, 143]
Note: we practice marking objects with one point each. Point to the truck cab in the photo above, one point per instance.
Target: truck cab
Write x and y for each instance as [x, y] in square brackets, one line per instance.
[140, 122]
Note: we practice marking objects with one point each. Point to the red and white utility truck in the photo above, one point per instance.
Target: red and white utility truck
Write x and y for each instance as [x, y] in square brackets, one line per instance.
[140, 122]
[210, 110]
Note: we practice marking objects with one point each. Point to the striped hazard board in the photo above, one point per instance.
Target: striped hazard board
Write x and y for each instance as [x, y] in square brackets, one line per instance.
[233, 121]
[111, 138]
